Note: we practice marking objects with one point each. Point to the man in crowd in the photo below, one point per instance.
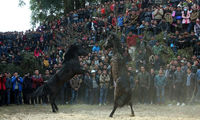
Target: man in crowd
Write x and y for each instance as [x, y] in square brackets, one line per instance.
[2, 89]
[160, 82]
[143, 79]
[104, 86]
[17, 82]
[75, 83]
[190, 85]
[179, 85]
[37, 81]
[94, 90]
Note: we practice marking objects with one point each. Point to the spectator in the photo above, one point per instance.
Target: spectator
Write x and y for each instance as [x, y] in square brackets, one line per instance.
[131, 42]
[160, 83]
[2, 89]
[104, 86]
[8, 87]
[27, 88]
[96, 48]
[152, 90]
[88, 87]
[75, 83]
[17, 82]
[197, 28]
[178, 85]
[190, 85]
[94, 90]
[37, 81]
[143, 80]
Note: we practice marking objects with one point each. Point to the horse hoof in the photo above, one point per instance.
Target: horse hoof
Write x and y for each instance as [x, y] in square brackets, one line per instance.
[133, 115]
[111, 116]
[54, 111]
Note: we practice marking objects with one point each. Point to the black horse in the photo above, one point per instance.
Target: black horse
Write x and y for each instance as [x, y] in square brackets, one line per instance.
[71, 66]
[123, 91]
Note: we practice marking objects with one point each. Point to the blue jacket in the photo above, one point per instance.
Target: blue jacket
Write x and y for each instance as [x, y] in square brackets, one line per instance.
[160, 81]
[20, 82]
[95, 48]
[120, 21]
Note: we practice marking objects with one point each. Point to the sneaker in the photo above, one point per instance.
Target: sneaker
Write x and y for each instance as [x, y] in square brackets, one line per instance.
[169, 104]
[104, 104]
[178, 104]
[100, 104]
[183, 104]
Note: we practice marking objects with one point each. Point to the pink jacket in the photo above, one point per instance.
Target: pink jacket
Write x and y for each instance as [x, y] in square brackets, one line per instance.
[186, 18]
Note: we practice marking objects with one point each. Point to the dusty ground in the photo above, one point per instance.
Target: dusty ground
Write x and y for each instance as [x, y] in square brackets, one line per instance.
[86, 112]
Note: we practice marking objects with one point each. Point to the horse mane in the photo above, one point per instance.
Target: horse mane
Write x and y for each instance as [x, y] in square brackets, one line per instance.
[117, 47]
[70, 53]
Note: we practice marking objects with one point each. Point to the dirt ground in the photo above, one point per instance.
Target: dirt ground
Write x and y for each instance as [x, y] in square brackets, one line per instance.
[94, 112]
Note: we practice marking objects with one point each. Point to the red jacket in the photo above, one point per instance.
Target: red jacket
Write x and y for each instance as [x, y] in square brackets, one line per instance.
[37, 81]
[131, 40]
[2, 83]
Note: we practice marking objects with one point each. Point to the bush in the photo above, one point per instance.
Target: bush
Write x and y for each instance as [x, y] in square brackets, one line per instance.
[28, 64]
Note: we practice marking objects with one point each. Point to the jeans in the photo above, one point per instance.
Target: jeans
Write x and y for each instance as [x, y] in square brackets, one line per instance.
[198, 93]
[8, 96]
[18, 97]
[143, 92]
[103, 94]
[160, 93]
[74, 96]
[93, 96]
[87, 95]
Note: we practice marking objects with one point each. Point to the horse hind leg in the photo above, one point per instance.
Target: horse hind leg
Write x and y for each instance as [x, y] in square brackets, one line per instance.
[132, 112]
[55, 106]
[113, 111]
[52, 100]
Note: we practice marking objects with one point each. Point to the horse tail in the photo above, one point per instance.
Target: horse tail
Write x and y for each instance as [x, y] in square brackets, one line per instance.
[41, 91]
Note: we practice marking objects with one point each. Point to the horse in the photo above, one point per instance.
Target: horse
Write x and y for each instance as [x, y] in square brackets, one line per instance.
[71, 67]
[122, 88]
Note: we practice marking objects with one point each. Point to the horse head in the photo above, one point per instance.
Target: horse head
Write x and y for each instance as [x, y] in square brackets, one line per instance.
[74, 51]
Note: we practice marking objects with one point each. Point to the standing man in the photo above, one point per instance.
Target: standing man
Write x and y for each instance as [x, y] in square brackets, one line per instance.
[178, 85]
[104, 85]
[37, 81]
[94, 90]
[88, 87]
[75, 83]
[190, 84]
[152, 90]
[2, 89]
[143, 79]
[46, 77]
[8, 86]
[27, 88]
[17, 82]
[160, 83]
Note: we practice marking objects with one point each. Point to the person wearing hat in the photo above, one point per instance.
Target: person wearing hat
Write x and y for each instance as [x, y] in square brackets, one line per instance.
[94, 88]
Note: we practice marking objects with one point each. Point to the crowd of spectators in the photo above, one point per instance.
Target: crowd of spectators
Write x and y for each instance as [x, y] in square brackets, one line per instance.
[132, 19]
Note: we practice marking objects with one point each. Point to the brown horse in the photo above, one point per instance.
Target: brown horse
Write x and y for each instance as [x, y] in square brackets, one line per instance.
[123, 91]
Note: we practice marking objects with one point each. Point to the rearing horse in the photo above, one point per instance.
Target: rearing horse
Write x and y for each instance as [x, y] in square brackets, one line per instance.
[122, 88]
[71, 66]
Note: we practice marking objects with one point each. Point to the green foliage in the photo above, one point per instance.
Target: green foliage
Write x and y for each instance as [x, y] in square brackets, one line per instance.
[28, 65]
[186, 52]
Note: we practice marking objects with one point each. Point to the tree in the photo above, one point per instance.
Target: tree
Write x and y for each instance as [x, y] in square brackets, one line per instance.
[47, 10]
